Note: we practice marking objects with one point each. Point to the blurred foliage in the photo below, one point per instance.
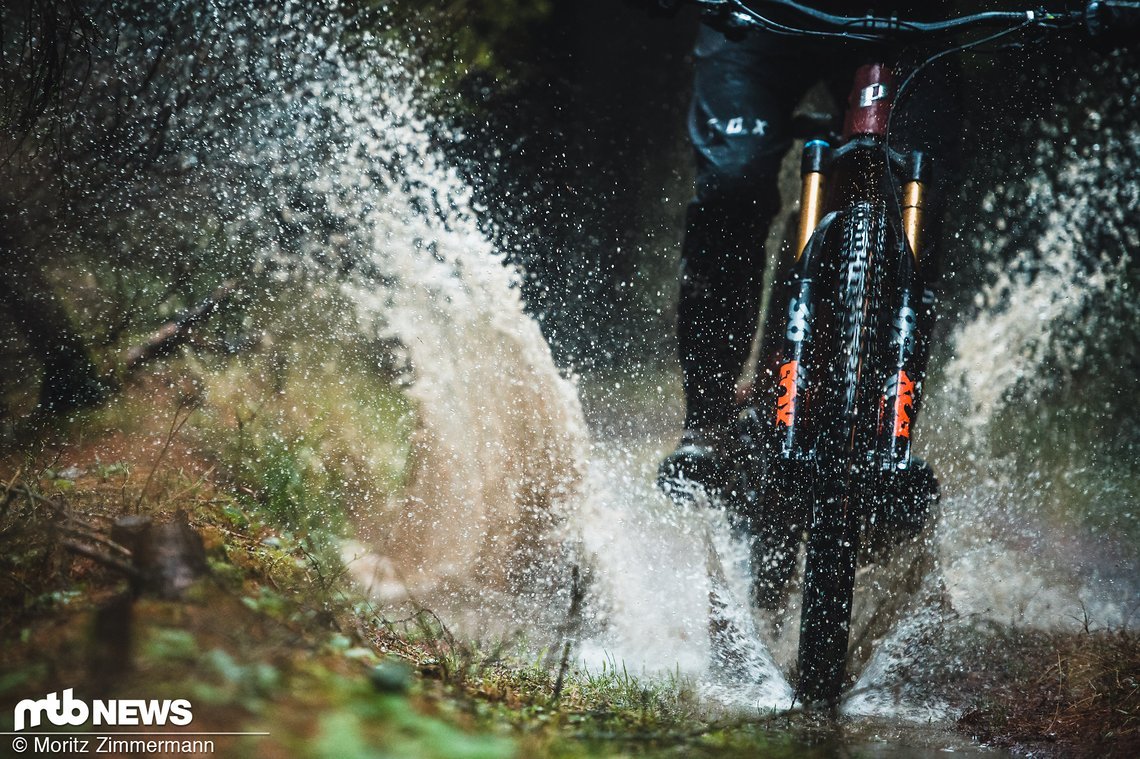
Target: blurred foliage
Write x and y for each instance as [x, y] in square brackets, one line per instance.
[316, 447]
[460, 45]
[104, 190]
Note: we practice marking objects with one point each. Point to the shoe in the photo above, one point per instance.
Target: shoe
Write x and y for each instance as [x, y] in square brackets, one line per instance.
[697, 462]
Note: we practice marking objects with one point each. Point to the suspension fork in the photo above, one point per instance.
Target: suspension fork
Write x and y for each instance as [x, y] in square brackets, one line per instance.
[829, 179]
[792, 375]
[910, 317]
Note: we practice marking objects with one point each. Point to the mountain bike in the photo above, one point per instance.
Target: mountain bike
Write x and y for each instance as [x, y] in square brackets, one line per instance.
[823, 446]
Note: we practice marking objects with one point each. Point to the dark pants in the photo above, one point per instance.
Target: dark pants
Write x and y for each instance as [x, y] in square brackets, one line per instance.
[744, 94]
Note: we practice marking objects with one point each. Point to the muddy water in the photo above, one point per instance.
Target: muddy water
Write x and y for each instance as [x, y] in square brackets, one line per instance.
[1021, 542]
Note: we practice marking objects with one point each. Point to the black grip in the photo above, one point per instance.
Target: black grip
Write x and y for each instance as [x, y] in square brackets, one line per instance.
[1118, 20]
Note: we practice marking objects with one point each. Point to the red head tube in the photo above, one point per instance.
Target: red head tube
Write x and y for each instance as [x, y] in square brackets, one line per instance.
[870, 101]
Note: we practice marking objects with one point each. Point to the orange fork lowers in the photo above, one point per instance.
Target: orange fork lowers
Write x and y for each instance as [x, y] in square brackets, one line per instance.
[792, 370]
[903, 404]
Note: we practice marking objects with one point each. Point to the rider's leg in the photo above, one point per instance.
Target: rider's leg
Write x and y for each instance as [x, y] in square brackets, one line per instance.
[743, 96]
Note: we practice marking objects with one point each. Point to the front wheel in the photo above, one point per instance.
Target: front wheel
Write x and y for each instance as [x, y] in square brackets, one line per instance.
[825, 622]
[848, 413]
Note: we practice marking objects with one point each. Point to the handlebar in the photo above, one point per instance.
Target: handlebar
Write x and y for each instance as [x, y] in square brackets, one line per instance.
[1118, 19]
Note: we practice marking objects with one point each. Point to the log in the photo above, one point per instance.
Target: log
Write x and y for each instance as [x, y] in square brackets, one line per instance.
[178, 331]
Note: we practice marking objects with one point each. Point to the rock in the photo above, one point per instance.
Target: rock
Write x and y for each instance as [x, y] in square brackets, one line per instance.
[391, 676]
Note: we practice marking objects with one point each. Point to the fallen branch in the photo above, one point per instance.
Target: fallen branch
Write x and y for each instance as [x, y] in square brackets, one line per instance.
[102, 558]
[95, 537]
[179, 331]
[60, 509]
[164, 559]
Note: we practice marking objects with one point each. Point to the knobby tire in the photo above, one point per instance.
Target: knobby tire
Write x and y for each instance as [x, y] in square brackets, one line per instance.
[833, 535]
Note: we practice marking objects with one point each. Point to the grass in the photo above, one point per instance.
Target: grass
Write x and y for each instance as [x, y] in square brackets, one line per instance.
[1065, 694]
[265, 643]
[271, 460]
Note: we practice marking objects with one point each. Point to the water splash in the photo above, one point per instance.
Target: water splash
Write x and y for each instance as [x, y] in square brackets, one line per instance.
[1032, 308]
[501, 439]
[652, 564]
[505, 491]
